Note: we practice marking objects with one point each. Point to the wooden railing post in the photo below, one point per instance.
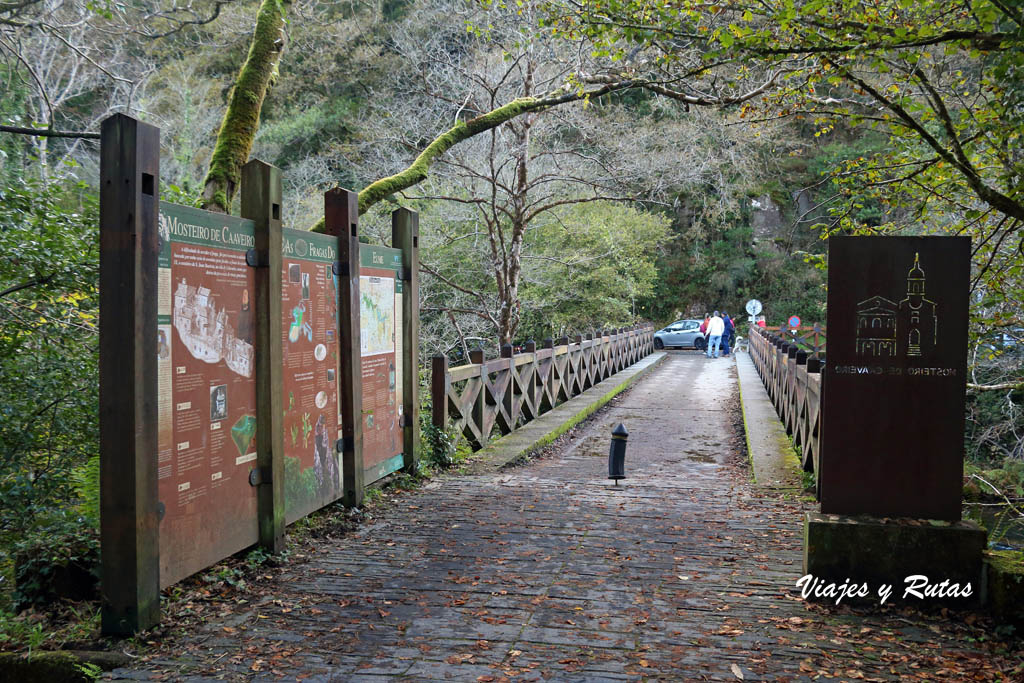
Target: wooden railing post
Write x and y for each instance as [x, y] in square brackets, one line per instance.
[439, 391]
[563, 363]
[405, 235]
[341, 219]
[129, 524]
[508, 399]
[593, 365]
[616, 342]
[261, 203]
[479, 412]
[578, 366]
[547, 395]
[531, 386]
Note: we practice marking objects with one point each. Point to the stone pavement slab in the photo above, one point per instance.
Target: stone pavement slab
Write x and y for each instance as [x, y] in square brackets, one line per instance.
[548, 572]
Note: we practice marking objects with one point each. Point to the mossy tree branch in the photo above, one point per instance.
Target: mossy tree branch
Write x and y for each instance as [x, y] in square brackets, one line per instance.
[242, 118]
[1005, 386]
[463, 130]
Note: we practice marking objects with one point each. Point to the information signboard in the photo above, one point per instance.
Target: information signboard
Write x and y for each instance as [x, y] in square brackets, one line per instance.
[380, 314]
[206, 389]
[893, 391]
[310, 395]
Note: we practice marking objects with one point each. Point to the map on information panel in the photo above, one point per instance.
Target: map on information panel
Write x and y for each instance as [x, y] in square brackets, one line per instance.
[377, 315]
[380, 344]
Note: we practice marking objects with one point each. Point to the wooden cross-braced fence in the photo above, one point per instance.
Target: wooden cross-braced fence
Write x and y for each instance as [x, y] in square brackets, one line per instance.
[792, 378]
[507, 392]
[810, 338]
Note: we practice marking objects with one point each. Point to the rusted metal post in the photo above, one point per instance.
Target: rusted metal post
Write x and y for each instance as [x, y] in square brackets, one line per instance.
[341, 219]
[405, 235]
[261, 202]
[129, 523]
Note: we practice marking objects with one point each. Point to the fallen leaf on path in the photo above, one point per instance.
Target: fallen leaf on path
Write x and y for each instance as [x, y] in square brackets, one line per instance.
[737, 672]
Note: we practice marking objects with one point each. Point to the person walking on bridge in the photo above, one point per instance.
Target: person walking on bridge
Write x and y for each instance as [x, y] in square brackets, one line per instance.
[729, 334]
[716, 326]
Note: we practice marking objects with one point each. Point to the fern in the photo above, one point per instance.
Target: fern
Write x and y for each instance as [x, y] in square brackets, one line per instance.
[87, 489]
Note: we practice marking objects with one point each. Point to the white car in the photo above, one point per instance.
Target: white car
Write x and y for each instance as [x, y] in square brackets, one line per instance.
[684, 334]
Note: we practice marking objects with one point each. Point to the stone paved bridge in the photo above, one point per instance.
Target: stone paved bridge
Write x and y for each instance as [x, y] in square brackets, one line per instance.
[545, 572]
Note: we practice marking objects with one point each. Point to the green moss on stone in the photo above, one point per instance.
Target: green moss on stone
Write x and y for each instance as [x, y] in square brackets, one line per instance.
[1010, 562]
[64, 666]
[1006, 584]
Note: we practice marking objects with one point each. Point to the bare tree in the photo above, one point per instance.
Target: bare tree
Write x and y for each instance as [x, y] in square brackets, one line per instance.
[524, 173]
[61, 53]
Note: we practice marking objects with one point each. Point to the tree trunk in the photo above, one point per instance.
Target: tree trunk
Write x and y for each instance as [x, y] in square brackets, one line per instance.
[242, 118]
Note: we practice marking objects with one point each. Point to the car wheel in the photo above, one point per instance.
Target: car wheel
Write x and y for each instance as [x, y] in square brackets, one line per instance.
[658, 344]
[700, 343]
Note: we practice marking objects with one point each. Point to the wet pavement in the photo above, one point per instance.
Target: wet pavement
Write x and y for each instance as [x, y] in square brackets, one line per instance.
[547, 571]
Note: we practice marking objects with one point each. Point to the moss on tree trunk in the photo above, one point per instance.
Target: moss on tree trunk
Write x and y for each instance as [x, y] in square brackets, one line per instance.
[242, 118]
[463, 130]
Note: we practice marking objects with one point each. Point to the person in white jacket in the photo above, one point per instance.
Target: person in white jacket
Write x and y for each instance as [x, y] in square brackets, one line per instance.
[716, 326]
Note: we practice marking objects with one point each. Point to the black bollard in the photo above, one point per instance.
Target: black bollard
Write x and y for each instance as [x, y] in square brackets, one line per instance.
[617, 454]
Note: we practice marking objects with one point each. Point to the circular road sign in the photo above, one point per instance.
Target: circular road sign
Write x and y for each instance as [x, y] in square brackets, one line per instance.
[753, 307]
[794, 321]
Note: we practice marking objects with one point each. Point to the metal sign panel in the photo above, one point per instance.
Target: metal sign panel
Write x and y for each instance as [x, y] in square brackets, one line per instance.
[309, 391]
[380, 338]
[893, 392]
[206, 389]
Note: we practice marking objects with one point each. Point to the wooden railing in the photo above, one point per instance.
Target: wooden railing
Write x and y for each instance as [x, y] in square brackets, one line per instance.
[810, 338]
[792, 377]
[507, 392]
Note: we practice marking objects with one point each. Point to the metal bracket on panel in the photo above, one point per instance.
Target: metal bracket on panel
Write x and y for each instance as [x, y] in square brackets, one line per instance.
[339, 268]
[259, 475]
[256, 258]
[406, 274]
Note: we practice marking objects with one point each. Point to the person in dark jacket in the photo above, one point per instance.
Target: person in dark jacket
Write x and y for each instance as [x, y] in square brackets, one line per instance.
[729, 334]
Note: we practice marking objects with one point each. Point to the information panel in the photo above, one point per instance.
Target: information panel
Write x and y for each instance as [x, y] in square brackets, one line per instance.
[380, 337]
[207, 390]
[310, 391]
[893, 391]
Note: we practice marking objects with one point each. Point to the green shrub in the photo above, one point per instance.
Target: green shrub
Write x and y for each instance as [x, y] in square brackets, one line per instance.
[55, 563]
[48, 353]
[437, 445]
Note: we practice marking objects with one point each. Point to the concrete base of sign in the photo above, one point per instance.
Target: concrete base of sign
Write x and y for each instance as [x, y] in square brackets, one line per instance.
[1005, 590]
[889, 551]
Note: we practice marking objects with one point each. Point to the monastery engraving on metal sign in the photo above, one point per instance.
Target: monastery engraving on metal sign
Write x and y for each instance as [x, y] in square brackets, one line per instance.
[907, 328]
